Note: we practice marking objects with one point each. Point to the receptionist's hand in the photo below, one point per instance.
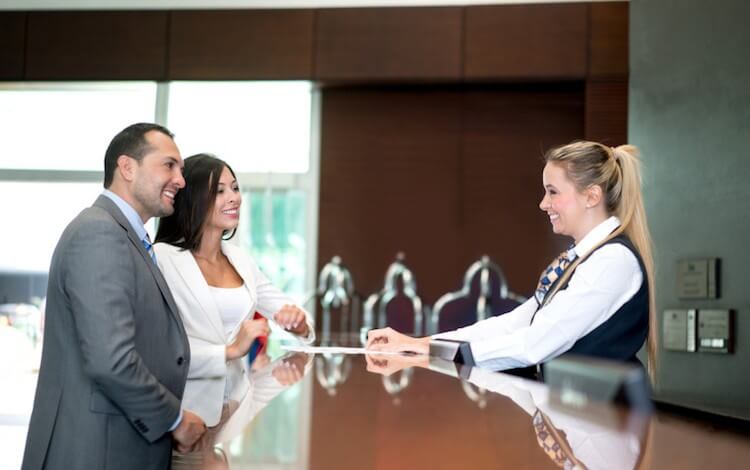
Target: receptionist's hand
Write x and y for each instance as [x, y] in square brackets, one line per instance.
[388, 339]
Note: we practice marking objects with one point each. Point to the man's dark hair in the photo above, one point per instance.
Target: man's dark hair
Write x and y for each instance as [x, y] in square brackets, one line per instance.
[194, 203]
[132, 142]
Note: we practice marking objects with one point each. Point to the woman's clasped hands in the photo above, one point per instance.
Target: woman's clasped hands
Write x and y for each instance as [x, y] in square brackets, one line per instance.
[248, 331]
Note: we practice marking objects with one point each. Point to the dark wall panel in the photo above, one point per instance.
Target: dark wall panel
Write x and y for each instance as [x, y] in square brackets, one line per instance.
[607, 111]
[244, 44]
[526, 41]
[608, 39]
[689, 102]
[122, 45]
[444, 175]
[388, 43]
[505, 136]
[12, 41]
[445, 44]
[389, 182]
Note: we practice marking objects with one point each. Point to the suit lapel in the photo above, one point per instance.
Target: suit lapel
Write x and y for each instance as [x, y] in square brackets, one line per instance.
[109, 206]
[192, 277]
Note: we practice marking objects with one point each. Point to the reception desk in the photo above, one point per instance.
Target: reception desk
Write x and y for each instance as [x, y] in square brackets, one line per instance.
[332, 411]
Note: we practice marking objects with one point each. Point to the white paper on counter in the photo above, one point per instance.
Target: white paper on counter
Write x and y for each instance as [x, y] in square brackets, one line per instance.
[336, 350]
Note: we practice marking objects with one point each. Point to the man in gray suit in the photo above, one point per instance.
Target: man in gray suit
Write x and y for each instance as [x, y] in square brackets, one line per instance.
[115, 356]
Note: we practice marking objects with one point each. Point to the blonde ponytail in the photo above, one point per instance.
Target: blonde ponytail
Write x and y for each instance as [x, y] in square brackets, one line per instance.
[632, 215]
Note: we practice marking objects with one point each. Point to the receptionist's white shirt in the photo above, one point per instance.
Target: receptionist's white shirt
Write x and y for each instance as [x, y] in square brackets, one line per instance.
[599, 286]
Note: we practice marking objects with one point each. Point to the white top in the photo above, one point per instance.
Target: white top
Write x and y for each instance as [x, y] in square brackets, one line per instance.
[211, 378]
[232, 303]
[599, 286]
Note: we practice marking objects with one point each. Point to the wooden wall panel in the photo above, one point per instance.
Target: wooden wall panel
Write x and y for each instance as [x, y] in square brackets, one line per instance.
[511, 42]
[244, 44]
[12, 42]
[608, 39]
[388, 43]
[91, 45]
[506, 134]
[444, 175]
[483, 43]
[607, 111]
[389, 182]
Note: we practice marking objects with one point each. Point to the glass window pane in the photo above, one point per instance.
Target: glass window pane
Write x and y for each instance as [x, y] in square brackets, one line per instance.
[275, 236]
[254, 126]
[63, 126]
[35, 221]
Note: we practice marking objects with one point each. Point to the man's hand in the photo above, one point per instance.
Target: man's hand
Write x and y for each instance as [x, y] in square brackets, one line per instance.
[189, 431]
[249, 330]
[293, 319]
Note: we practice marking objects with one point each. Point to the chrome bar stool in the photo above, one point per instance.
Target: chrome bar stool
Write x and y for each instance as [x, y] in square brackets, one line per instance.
[400, 294]
[336, 290]
[485, 293]
[332, 370]
[394, 386]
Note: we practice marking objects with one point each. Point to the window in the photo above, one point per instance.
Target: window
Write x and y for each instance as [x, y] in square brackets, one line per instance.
[256, 127]
[61, 126]
[53, 137]
[275, 235]
[34, 215]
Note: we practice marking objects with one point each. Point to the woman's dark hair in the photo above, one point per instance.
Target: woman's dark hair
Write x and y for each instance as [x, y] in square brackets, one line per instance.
[193, 203]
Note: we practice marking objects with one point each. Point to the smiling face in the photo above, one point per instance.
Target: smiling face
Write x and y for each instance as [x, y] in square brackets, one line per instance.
[225, 214]
[566, 207]
[157, 177]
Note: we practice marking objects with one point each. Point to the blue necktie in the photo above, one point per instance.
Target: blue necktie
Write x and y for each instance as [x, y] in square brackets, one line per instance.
[149, 247]
[553, 271]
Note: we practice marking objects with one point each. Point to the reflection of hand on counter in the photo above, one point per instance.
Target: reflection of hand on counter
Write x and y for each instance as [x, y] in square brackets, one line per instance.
[265, 385]
[390, 364]
[291, 368]
[261, 361]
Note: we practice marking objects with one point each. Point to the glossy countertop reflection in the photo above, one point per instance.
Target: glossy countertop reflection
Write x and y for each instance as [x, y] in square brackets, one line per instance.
[358, 412]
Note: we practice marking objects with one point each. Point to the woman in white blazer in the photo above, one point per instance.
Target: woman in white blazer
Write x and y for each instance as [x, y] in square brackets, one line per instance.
[218, 287]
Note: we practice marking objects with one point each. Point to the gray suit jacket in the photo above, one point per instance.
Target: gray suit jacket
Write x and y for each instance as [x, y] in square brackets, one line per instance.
[115, 356]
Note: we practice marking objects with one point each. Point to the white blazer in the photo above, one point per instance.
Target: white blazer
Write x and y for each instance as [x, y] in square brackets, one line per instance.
[210, 375]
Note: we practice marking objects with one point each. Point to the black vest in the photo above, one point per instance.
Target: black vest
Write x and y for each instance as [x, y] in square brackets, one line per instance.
[621, 336]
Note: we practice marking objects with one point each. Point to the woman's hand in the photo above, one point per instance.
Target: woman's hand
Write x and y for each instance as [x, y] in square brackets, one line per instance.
[292, 319]
[388, 339]
[249, 330]
[262, 359]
